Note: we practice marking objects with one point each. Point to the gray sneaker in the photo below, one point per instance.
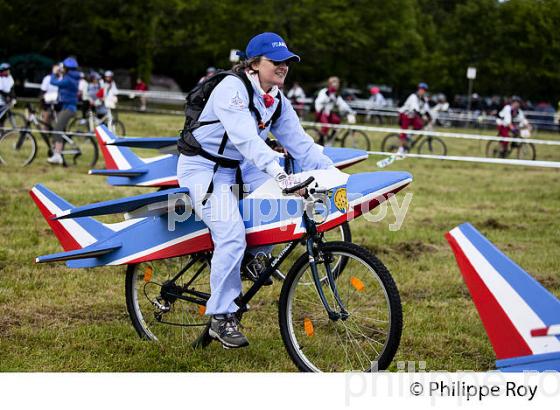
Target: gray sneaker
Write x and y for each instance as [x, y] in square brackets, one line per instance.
[225, 328]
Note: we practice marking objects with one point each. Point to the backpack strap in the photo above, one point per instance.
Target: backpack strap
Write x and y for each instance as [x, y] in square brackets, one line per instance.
[251, 93]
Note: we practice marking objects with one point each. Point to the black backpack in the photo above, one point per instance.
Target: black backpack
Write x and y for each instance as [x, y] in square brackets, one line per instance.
[196, 100]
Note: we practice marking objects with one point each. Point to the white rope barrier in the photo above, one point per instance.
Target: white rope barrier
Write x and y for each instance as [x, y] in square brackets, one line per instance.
[504, 161]
[432, 133]
[32, 130]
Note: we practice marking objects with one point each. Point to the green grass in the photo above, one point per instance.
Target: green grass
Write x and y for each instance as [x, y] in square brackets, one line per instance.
[58, 319]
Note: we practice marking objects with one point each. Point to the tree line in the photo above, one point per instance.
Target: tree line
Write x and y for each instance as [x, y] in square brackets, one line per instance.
[515, 44]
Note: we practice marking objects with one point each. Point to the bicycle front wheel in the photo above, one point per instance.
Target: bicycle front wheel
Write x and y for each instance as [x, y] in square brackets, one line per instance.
[524, 150]
[17, 148]
[155, 313]
[432, 146]
[357, 140]
[81, 151]
[367, 339]
[118, 127]
[16, 120]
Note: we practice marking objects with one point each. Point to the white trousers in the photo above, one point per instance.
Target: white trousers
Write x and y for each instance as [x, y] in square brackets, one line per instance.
[221, 214]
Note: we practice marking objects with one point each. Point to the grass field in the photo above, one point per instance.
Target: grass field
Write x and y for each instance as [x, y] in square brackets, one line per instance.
[58, 319]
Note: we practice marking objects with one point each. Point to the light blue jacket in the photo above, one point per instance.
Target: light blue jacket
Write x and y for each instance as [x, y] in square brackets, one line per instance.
[229, 103]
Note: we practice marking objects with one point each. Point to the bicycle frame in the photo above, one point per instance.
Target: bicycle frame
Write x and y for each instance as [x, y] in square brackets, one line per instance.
[313, 242]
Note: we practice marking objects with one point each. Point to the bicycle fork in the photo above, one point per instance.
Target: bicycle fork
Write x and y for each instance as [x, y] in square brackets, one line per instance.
[313, 256]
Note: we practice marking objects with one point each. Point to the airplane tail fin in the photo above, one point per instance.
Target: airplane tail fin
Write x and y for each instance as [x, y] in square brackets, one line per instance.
[116, 157]
[519, 314]
[73, 234]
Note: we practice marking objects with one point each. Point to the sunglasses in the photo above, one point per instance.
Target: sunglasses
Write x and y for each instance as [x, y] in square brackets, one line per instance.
[277, 63]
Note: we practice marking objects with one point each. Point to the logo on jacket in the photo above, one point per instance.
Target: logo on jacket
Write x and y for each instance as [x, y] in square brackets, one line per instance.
[236, 102]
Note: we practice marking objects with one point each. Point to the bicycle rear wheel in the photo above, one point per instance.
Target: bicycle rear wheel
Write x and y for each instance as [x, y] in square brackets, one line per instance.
[356, 139]
[391, 143]
[17, 148]
[367, 340]
[82, 151]
[78, 125]
[493, 149]
[432, 146]
[158, 316]
[315, 134]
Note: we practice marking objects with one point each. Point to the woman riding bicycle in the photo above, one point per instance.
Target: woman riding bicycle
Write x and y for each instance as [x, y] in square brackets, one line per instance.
[412, 113]
[68, 97]
[328, 104]
[230, 137]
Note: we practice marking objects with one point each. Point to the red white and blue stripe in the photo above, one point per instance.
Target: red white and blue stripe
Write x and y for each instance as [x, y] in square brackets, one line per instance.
[511, 304]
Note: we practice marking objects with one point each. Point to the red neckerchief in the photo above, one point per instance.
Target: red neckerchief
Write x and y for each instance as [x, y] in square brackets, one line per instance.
[268, 100]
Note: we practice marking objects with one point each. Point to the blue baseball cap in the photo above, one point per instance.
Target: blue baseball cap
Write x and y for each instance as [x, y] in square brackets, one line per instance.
[423, 85]
[4, 66]
[271, 46]
[70, 62]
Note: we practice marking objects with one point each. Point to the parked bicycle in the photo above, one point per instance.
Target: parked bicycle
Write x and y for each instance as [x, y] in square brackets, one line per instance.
[91, 121]
[427, 144]
[513, 149]
[19, 147]
[348, 138]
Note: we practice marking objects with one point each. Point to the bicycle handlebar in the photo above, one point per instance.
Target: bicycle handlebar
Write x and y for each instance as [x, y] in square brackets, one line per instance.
[301, 185]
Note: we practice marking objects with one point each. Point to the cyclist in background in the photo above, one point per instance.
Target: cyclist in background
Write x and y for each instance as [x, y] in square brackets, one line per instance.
[329, 104]
[296, 95]
[49, 96]
[510, 121]
[6, 90]
[68, 97]
[413, 113]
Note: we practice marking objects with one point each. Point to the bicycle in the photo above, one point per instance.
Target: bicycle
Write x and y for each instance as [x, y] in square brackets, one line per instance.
[14, 119]
[427, 144]
[88, 124]
[347, 137]
[19, 147]
[339, 308]
[519, 150]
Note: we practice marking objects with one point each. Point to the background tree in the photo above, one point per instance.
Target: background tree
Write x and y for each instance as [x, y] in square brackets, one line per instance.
[515, 45]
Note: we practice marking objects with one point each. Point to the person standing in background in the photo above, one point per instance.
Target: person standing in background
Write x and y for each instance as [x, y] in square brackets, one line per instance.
[68, 97]
[141, 87]
[6, 90]
[49, 96]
